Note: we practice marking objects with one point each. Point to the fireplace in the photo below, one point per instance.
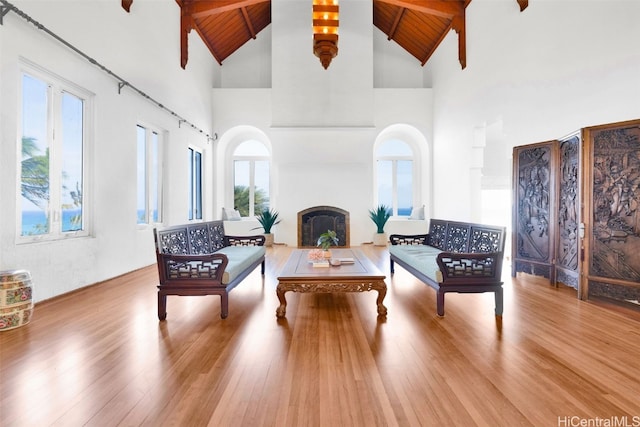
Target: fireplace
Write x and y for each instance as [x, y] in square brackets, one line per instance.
[312, 222]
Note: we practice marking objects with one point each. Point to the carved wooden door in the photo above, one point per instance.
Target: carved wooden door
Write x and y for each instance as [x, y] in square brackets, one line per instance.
[568, 242]
[612, 202]
[534, 209]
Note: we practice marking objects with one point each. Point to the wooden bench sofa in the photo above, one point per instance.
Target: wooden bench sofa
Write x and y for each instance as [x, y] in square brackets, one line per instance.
[200, 259]
[453, 257]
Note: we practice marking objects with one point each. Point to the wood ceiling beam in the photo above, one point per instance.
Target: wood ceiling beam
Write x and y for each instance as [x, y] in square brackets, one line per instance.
[201, 8]
[523, 4]
[460, 26]
[247, 21]
[443, 8]
[436, 44]
[186, 24]
[126, 5]
[396, 22]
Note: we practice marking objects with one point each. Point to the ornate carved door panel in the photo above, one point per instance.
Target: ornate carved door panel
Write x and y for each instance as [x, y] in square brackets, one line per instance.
[534, 209]
[612, 200]
[569, 212]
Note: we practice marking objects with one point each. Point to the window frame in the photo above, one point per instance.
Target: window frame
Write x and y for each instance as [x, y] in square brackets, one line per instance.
[252, 159]
[56, 88]
[195, 190]
[394, 159]
[149, 171]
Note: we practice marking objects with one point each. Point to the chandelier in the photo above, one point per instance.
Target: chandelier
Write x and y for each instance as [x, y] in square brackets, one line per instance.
[325, 30]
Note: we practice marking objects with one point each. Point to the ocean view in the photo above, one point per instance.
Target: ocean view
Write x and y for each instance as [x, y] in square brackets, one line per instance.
[34, 222]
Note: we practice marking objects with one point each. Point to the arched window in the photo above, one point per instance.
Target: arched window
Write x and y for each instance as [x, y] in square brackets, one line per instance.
[395, 176]
[251, 161]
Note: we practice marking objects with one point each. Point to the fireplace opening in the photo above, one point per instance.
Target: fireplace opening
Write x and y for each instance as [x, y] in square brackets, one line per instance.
[312, 222]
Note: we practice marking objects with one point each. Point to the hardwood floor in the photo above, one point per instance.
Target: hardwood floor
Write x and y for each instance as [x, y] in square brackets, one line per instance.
[100, 357]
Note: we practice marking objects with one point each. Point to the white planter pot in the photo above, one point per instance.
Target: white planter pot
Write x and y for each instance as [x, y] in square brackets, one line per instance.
[380, 239]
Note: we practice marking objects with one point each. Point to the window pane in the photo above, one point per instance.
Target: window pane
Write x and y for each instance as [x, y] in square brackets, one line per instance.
[385, 182]
[72, 136]
[198, 185]
[241, 187]
[261, 199]
[394, 147]
[154, 198]
[251, 148]
[34, 185]
[405, 187]
[142, 173]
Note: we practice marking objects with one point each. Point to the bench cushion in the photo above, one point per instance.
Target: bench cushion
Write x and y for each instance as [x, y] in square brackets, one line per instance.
[420, 257]
[240, 258]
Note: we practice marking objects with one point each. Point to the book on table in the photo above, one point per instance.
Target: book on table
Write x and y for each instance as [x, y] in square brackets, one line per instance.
[320, 263]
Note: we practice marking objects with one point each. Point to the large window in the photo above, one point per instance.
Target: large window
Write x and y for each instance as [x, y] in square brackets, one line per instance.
[149, 184]
[395, 171]
[52, 163]
[251, 178]
[195, 184]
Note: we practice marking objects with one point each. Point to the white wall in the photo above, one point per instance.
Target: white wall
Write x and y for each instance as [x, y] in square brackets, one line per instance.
[541, 74]
[143, 48]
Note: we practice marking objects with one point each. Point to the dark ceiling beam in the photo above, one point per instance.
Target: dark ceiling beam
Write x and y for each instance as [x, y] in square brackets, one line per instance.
[186, 24]
[523, 4]
[432, 51]
[126, 4]
[442, 8]
[396, 21]
[247, 21]
[211, 7]
[207, 43]
[460, 26]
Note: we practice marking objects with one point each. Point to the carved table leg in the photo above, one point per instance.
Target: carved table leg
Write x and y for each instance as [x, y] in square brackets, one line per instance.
[382, 292]
[282, 309]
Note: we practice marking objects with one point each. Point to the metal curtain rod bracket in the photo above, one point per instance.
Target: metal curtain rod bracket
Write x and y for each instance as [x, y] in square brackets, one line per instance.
[3, 11]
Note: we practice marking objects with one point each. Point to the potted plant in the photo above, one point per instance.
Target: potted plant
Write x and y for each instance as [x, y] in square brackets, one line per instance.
[325, 240]
[380, 216]
[267, 219]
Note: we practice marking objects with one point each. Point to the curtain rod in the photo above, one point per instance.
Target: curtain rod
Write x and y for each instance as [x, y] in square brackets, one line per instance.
[8, 7]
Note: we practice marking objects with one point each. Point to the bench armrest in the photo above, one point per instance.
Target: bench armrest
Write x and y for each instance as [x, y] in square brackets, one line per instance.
[257, 240]
[205, 270]
[479, 268]
[409, 239]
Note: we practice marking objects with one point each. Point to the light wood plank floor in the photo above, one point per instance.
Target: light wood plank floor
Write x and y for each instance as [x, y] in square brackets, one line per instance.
[100, 357]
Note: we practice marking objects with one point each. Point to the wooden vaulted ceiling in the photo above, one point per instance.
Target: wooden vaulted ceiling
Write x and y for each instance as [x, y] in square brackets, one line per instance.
[418, 26]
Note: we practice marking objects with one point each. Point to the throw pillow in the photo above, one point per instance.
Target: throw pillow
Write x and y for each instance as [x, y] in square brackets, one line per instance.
[417, 213]
[230, 214]
[234, 215]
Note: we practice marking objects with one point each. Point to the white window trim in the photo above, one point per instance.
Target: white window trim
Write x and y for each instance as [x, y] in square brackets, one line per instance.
[202, 182]
[60, 84]
[162, 137]
[252, 171]
[415, 190]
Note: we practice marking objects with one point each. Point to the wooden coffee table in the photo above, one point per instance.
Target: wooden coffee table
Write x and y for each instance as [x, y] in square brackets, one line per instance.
[298, 275]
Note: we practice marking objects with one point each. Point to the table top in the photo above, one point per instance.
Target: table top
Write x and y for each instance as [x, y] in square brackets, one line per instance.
[298, 266]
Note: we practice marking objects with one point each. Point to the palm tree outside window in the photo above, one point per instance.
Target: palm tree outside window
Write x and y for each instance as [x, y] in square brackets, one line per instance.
[251, 178]
[54, 127]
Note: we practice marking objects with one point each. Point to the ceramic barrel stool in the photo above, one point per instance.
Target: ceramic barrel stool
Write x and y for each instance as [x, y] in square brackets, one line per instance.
[16, 301]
